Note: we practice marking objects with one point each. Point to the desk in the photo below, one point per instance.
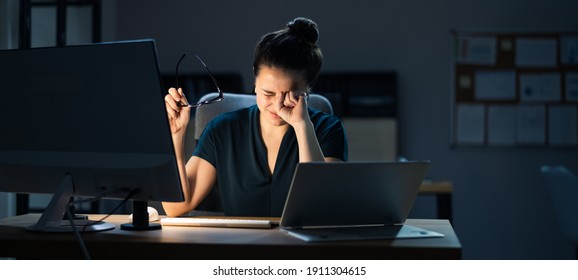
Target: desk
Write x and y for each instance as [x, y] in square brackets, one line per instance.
[215, 243]
[443, 192]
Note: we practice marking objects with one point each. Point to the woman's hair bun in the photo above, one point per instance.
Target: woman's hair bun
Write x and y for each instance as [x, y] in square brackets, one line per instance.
[305, 29]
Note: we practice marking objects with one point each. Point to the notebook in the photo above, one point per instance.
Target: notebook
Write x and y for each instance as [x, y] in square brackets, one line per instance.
[353, 201]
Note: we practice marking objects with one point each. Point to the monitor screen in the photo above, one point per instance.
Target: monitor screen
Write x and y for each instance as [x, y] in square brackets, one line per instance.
[94, 114]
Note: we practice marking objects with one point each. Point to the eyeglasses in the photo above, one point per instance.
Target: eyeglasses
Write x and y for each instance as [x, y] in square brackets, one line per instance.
[214, 100]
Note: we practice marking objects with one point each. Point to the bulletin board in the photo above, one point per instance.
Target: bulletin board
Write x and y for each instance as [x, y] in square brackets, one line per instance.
[514, 89]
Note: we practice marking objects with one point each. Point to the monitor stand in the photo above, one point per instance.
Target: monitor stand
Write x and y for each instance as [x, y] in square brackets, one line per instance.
[140, 218]
[72, 212]
[51, 219]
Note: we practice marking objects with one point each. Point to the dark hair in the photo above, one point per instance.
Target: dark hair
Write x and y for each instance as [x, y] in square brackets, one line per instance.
[293, 48]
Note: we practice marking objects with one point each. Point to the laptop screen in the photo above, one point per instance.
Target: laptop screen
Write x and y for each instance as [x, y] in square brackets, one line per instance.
[352, 193]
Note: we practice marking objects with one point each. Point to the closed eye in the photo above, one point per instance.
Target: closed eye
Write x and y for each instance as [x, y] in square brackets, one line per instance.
[268, 93]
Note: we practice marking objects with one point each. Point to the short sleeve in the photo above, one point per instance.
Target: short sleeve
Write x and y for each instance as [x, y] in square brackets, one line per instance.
[206, 148]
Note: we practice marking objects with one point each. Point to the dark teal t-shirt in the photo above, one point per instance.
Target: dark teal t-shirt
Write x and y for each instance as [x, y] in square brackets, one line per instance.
[232, 143]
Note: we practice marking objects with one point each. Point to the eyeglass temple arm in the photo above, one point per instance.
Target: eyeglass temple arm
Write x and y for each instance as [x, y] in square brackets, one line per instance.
[177, 70]
[210, 74]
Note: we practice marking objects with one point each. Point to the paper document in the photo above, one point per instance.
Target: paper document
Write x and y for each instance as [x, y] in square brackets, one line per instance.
[502, 125]
[476, 50]
[495, 85]
[569, 50]
[540, 87]
[531, 124]
[562, 125]
[536, 52]
[571, 86]
[470, 124]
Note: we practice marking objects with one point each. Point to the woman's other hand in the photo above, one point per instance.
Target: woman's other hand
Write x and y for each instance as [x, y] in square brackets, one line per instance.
[292, 107]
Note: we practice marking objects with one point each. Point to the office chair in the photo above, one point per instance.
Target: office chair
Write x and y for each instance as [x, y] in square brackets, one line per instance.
[562, 187]
[233, 101]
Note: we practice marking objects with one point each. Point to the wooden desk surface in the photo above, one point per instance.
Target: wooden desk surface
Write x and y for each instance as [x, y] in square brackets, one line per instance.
[215, 243]
[436, 187]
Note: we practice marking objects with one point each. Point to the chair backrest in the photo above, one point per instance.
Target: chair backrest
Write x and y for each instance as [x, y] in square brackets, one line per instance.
[562, 187]
[234, 101]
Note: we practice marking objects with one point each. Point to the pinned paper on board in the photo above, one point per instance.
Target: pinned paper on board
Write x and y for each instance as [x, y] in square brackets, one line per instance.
[562, 125]
[536, 52]
[569, 50]
[531, 124]
[470, 124]
[502, 125]
[540, 87]
[495, 85]
[476, 50]
[571, 86]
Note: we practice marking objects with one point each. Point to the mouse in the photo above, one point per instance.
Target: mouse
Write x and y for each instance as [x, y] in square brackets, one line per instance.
[153, 214]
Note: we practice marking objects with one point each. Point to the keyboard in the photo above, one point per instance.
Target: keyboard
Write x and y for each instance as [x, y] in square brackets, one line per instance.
[216, 222]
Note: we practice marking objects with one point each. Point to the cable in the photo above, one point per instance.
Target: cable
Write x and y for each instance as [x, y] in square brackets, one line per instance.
[78, 235]
[85, 253]
[123, 202]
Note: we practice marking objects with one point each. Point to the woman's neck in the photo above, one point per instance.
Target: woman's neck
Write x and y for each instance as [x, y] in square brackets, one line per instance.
[272, 131]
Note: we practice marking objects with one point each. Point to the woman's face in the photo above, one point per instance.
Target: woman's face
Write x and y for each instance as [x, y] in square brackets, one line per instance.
[271, 84]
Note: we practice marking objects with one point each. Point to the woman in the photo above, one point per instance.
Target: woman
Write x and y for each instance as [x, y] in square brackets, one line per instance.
[252, 153]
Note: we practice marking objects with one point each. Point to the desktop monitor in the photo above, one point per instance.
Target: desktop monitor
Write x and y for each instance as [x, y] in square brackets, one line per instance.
[85, 121]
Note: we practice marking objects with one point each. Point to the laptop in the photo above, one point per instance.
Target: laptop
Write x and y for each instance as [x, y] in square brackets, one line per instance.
[353, 201]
